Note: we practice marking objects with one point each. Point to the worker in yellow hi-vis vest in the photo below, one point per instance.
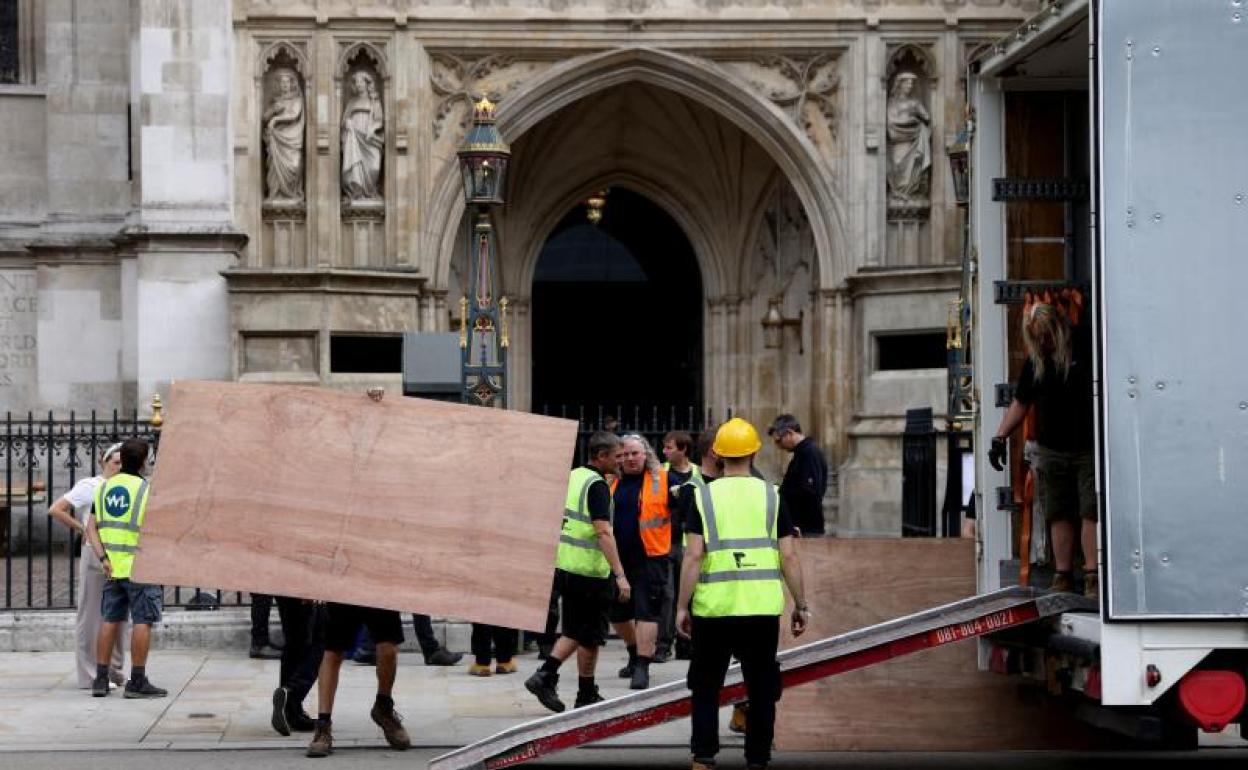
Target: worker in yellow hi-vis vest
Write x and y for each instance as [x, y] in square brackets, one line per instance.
[113, 531]
[738, 557]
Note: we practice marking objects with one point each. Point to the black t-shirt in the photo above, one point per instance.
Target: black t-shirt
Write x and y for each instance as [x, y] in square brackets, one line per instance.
[599, 498]
[693, 520]
[804, 485]
[1063, 405]
[675, 478]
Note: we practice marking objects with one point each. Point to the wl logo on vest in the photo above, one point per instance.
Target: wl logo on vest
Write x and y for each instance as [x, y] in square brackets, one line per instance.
[117, 502]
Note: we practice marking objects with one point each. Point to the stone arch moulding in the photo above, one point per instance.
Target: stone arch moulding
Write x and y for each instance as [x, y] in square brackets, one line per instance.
[710, 264]
[352, 52]
[272, 52]
[910, 56]
[698, 79]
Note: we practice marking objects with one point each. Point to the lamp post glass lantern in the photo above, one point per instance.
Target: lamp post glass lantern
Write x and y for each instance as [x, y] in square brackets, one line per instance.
[959, 167]
[483, 338]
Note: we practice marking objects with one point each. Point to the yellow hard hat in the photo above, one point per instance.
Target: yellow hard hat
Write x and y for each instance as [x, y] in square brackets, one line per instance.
[736, 438]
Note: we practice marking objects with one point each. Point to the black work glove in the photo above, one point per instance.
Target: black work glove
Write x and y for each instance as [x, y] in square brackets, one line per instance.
[999, 454]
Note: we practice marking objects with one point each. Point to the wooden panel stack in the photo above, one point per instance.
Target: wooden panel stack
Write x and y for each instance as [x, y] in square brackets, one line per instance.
[932, 700]
[405, 503]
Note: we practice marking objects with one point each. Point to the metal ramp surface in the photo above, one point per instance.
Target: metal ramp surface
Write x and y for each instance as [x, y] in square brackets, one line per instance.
[965, 619]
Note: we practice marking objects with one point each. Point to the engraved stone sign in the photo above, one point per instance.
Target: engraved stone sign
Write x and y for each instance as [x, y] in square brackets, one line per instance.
[18, 341]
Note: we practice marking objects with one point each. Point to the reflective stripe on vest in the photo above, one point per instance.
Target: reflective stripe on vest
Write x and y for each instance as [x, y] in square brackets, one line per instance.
[579, 552]
[741, 568]
[120, 505]
[654, 520]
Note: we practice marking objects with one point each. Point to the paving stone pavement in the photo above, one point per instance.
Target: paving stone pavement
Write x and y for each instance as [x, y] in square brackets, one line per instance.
[220, 699]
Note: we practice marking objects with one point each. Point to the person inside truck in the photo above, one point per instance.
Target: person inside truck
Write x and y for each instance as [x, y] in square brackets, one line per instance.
[1057, 382]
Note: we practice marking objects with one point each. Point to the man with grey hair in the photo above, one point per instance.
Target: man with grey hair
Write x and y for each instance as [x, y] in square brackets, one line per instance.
[643, 531]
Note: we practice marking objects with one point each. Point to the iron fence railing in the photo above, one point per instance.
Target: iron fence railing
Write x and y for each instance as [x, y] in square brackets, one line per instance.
[42, 458]
[651, 421]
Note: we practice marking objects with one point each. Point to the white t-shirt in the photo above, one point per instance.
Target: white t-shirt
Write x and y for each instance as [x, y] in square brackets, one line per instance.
[81, 497]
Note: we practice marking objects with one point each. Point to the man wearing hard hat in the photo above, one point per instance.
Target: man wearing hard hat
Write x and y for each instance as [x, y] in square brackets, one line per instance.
[738, 558]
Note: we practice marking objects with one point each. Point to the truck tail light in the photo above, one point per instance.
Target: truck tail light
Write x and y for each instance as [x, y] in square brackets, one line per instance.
[1212, 698]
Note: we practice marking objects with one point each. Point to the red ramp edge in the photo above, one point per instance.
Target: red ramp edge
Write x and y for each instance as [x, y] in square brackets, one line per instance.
[946, 624]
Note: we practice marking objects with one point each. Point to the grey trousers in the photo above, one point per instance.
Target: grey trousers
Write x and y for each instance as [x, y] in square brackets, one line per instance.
[90, 594]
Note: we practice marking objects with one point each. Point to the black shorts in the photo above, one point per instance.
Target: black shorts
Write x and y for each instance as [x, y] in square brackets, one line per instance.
[584, 607]
[343, 622]
[648, 580]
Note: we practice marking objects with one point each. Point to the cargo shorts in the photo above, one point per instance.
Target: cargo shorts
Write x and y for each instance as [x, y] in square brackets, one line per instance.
[1067, 485]
[143, 601]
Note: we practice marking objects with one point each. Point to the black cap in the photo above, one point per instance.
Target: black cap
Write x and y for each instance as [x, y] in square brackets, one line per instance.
[784, 422]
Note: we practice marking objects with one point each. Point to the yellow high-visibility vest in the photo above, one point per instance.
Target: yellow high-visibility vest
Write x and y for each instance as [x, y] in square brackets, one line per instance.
[120, 505]
[741, 568]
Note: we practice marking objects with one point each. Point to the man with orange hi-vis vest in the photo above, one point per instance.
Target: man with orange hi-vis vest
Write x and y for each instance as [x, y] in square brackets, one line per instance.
[643, 504]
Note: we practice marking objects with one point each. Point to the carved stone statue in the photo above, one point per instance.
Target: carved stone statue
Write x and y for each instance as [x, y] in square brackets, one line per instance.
[283, 139]
[363, 140]
[909, 143]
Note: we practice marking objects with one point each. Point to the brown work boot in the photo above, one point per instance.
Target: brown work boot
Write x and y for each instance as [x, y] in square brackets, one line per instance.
[740, 713]
[1062, 583]
[1092, 586]
[478, 669]
[703, 764]
[391, 725]
[322, 744]
[508, 667]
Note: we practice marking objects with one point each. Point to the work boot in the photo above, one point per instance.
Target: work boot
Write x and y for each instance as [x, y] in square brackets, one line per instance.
[322, 744]
[740, 714]
[144, 689]
[1091, 586]
[479, 669]
[391, 725]
[99, 687]
[627, 671]
[641, 678]
[443, 657]
[280, 719]
[508, 667]
[1062, 583]
[703, 764]
[661, 655]
[544, 686]
[588, 697]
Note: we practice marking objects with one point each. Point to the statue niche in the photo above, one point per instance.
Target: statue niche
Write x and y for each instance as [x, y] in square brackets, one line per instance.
[283, 131]
[363, 138]
[909, 130]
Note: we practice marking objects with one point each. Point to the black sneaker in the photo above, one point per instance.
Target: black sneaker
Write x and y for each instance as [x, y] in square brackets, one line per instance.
[99, 687]
[588, 697]
[279, 719]
[544, 686]
[627, 671]
[661, 655]
[443, 657]
[640, 679]
[144, 689]
[300, 722]
[265, 652]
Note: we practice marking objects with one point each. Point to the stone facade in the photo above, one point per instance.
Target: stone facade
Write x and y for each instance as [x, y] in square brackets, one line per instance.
[140, 239]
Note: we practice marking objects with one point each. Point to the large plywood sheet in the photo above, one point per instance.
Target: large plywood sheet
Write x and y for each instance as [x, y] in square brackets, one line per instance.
[932, 700]
[405, 504]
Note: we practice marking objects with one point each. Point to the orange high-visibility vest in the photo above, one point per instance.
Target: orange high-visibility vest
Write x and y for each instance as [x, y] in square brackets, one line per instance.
[655, 522]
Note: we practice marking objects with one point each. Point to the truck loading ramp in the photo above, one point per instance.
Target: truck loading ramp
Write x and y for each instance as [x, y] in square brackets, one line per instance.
[965, 619]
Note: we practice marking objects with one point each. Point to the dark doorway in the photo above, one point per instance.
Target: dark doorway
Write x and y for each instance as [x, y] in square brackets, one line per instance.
[617, 314]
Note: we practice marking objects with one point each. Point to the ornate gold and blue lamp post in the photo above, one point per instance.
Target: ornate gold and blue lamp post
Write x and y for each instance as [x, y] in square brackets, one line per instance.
[483, 336]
